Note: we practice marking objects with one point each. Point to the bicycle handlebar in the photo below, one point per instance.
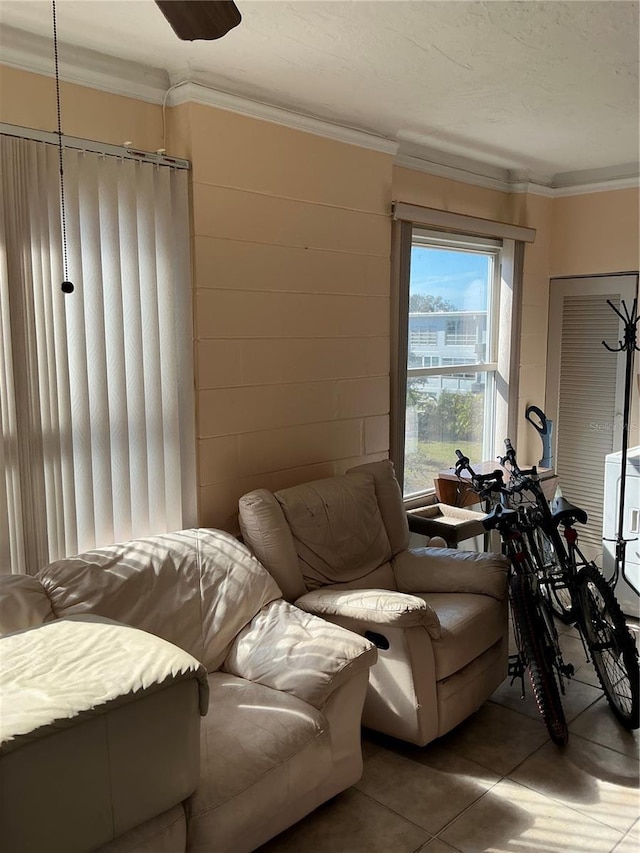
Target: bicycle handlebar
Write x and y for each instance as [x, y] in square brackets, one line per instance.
[510, 459]
[485, 484]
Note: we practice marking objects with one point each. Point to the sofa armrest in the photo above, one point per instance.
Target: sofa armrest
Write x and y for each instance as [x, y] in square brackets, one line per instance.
[68, 670]
[99, 732]
[292, 651]
[377, 606]
[23, 603]
[448, 570]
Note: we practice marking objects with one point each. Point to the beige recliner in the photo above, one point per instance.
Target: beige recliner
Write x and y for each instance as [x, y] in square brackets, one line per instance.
[339, 548]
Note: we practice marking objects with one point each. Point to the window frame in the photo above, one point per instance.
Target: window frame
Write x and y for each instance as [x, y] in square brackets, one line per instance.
[501, 371]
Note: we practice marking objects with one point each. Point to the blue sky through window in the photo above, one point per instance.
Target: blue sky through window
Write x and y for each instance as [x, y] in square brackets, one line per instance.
[460, 277]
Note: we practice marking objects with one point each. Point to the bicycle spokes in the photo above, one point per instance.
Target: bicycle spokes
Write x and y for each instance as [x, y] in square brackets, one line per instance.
[613, 651]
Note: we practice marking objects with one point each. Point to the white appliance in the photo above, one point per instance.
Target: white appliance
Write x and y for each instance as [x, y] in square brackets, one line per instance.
[626, 595]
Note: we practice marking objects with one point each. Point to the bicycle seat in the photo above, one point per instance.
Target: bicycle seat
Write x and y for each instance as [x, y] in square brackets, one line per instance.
[564, 510]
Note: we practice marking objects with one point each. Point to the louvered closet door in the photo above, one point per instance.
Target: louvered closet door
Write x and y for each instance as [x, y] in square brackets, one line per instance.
[585, 389]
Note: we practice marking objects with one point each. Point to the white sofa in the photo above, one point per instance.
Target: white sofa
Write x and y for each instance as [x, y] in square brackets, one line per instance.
[103, 736]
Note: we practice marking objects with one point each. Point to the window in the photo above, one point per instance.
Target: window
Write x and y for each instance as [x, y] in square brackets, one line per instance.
[458, 353]
[96, 387]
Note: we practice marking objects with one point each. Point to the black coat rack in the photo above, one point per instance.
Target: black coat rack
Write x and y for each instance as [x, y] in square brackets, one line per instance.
[629, 347]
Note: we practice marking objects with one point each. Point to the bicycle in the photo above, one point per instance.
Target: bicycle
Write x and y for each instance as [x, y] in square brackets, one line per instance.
[578, 593]
[568, 578]
[539, 653]
[546, 543]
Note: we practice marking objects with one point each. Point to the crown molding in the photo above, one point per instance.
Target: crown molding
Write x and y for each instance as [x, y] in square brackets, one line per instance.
[587, 177]
[31, 52]
[198, 93]
[505, 185]
[531, 188]
[453, 173]
[631, 183]
[85, 67]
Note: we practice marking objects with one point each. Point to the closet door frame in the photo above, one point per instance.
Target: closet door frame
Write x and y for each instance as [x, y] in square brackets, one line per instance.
[609, 286]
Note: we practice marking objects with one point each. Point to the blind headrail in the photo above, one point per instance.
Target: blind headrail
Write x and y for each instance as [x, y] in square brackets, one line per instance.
[125, 152]
[460, 222]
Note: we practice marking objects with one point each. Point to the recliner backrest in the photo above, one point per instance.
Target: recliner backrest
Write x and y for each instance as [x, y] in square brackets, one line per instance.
[390, 502]
[338, 530]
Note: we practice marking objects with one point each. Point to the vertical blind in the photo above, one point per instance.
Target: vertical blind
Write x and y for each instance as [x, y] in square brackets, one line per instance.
[96, 387]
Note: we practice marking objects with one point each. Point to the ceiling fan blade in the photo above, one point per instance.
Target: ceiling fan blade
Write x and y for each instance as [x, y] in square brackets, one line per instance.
[200, 19]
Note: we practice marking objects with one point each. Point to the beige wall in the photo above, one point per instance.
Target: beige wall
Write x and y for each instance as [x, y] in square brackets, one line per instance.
[537, 213]
[291, 245]
[599, 233]
[291, 253]
[596, 233]
[28, 100]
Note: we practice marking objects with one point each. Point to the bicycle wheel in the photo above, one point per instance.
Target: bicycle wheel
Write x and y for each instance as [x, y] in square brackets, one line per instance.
[553, 588]
[612, 647]
[535, 649]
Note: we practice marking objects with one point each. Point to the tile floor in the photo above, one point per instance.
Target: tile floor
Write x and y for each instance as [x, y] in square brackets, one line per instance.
[496, 784]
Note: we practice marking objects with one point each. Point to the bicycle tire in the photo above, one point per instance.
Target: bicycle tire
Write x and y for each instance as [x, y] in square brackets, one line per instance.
[612, 647]
[531, 629]
[558, 598]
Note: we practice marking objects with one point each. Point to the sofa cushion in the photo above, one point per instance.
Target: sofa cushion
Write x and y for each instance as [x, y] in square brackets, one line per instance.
[469, 625]
[258, 746]
[290, 650]
[194, 588]
[337, 528]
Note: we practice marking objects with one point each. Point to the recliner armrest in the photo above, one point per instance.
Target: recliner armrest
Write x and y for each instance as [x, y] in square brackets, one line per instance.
[378, 606]
[295, 652]
[448, 570]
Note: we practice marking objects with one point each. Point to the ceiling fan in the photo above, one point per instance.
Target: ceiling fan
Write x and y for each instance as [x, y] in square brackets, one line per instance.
[200, 19]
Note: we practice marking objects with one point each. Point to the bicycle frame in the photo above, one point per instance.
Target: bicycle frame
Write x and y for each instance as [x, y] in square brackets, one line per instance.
[532, 578]
[516, 530]
[565, 544]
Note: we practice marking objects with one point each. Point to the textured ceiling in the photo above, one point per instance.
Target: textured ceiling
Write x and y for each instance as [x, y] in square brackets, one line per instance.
[542, 87]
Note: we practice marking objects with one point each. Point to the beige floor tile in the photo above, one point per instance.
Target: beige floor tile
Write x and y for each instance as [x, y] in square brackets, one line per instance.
[587, 674]
[631, 842]
[573, 652]
[568, 630]
[598, 724]
[587, 777]
[572, 649]
[496, 737]
[511, 818]
[577, 697]
[430, 791]
[437, 846]
[350, 823]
